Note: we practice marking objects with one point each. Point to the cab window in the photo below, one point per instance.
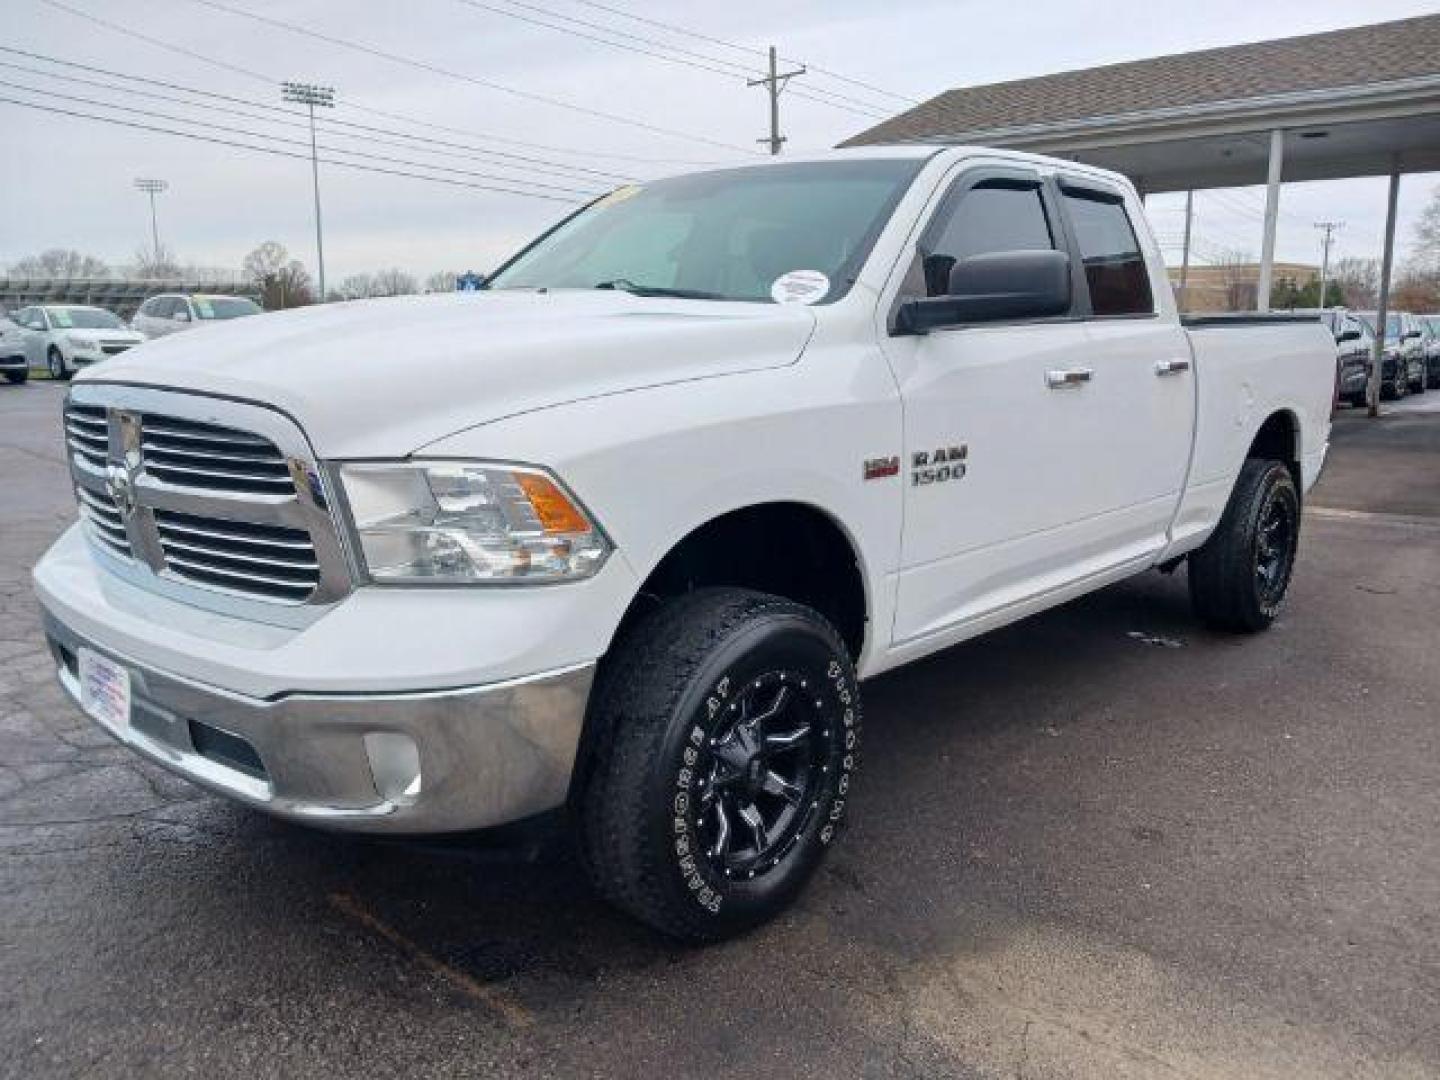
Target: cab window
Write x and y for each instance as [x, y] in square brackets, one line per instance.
[993, 216]
[1114, 265]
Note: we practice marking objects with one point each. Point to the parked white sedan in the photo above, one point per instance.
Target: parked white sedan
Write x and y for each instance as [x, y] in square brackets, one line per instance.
[66, 337]
[165, 314]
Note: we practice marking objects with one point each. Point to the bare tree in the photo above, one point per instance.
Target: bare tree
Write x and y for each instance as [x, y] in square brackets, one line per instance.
[357, 287]
[156, 263]
[1417, 289]
[265, 261]
[441, 281]
[1359, 281]
[60, 263]
[284, 282]
[1427, 234]
[394, 282]
[1238, 276]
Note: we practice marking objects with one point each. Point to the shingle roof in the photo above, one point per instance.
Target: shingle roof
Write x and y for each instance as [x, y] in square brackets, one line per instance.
[1362, 55]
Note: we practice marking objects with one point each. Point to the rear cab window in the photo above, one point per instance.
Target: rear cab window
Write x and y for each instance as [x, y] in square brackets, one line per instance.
[1115, 270]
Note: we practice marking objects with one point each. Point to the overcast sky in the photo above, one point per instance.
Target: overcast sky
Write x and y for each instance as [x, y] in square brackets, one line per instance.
[68, 182]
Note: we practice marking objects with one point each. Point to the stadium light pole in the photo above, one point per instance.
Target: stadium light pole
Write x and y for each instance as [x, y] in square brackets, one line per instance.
[309, 95]
[152, 187]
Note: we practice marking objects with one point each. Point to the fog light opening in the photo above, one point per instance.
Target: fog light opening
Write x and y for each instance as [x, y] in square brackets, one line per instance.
[394, 764]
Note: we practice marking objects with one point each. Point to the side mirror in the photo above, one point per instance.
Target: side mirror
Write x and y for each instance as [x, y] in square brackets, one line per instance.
[1410, 334]
[1348, 335]
[992, 287]
[181, 316]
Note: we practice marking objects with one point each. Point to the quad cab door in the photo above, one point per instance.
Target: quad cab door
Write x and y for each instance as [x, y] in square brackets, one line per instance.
[1040, 453]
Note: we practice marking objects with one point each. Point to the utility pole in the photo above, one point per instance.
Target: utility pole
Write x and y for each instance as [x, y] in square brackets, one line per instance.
[774, 83]
[1330, 228]
[1185, 253]
[309, 95]
[152, 187]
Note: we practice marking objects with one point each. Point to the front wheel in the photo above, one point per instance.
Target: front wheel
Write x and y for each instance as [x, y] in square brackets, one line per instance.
[1239, 578]
[18, 376]
[725, 733]
[55, 360]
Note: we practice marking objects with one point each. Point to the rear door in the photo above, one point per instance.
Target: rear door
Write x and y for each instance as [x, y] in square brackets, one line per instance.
[1141, 356]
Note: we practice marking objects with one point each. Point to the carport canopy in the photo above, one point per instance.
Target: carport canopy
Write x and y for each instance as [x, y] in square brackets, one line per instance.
[1363, 101]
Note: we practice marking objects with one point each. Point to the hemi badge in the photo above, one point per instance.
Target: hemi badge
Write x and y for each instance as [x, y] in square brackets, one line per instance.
[881, 467]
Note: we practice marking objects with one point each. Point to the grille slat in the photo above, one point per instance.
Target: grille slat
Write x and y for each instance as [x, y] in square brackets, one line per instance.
[244, 580]
[209, 456]
[87, 433]
[267, 559]
[105, 523]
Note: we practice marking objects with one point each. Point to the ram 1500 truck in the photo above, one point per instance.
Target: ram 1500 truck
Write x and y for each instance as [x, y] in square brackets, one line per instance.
[622, 534]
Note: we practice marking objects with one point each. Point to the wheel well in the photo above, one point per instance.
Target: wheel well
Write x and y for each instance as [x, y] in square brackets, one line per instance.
[1279, 440]
[788, 549]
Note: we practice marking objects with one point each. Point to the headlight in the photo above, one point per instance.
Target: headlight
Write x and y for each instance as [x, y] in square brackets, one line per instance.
[469, 522]
[79, 342]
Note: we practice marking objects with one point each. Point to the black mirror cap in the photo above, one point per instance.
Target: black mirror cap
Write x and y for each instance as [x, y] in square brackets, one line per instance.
[990, 288]
[1349, 335]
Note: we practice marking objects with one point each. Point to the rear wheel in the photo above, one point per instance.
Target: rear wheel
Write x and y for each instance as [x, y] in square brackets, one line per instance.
[726, 729]
[1239, 578]
[55, 360]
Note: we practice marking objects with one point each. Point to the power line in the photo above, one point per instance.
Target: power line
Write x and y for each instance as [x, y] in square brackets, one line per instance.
[268, 80]
[281, 153]
[697, 60]
[287, 117]
[436, 69]
[153, 115]
[742, 48]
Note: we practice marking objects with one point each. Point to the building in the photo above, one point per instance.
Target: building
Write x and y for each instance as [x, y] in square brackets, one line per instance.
[1233, 286]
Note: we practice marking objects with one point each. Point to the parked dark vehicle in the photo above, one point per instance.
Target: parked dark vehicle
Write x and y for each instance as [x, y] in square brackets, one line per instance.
[1430, 329]
[1354, 345]
[1404, 371]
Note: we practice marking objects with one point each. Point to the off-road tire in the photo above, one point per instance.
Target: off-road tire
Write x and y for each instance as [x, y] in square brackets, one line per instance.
[55, 360]
[17, 376]
[1227, 589]
[663, 701]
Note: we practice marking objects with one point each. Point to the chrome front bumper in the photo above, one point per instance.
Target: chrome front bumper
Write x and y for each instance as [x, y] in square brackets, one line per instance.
[425, 762]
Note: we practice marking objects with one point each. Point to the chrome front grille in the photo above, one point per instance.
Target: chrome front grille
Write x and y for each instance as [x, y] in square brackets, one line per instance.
[217, 502]
[208, 456]
[268, 560]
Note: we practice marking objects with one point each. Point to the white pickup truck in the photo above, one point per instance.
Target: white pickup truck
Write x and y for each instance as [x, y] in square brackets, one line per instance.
[621, 534]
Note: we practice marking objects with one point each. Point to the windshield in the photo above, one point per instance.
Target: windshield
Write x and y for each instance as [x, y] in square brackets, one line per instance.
[83, 318]
[224, 307]
[728, 235]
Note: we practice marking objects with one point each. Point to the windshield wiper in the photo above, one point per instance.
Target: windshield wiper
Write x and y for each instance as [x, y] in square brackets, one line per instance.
[626, 285]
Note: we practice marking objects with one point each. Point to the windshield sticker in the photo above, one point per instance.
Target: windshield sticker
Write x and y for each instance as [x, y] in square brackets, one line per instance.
[800, 287]
[203, 307]
[61, 318]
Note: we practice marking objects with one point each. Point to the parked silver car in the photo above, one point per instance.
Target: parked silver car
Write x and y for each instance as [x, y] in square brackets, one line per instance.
[66, 337]
[169, 312]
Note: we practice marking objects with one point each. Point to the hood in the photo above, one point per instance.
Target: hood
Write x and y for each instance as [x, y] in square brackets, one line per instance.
[381, 378]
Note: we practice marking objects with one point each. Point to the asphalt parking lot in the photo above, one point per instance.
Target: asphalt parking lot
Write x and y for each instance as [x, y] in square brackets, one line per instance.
[1102, 843]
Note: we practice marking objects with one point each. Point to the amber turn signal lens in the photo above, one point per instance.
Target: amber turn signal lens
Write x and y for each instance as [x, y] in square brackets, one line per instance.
[557, 514]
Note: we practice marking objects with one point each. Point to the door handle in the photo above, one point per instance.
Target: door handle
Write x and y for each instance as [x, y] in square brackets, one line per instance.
[1171, 367]
[1070, 377]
